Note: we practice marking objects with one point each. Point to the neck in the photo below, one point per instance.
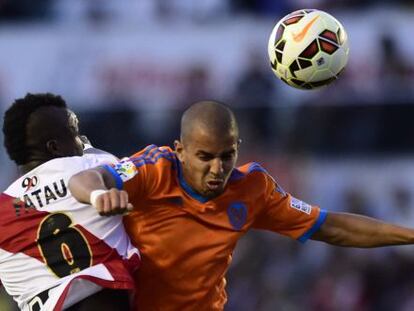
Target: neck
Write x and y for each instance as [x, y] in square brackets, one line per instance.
[29, 166]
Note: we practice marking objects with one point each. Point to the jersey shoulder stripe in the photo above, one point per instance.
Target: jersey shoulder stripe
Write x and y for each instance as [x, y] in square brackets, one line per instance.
[247, 169]
[127, 168]
[152, 155]
[256, 167]
[152, 152]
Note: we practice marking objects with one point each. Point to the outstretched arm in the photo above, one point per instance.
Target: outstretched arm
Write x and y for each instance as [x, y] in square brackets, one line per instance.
[345, 229]
[97, 187]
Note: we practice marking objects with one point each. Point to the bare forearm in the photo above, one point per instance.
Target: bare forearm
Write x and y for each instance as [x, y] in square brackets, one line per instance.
[82, 184]
[111, 201]
[354, 230]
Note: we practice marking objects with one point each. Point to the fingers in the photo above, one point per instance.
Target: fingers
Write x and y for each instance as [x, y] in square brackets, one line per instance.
[130, 207]
[112, 202]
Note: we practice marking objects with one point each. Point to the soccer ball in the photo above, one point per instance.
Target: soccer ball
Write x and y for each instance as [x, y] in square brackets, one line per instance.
[308, 49]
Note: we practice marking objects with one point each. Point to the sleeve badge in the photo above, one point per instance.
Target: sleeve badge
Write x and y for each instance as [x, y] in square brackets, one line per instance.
[126, 170]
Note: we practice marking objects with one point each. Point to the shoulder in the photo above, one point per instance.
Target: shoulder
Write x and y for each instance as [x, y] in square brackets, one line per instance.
[67, 163]
[256, 175]
[152, 160]
[153, 154]
[73, 164]
[252, 168]
[99, 153]
[252, 173]
[100, 158]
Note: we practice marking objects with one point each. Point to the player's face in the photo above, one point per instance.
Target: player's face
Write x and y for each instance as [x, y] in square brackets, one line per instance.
[207, 161]
[74, 144]
[52, 132]
[69, 142]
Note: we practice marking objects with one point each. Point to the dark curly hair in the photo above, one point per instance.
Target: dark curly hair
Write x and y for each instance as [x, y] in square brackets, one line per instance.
[16, 118]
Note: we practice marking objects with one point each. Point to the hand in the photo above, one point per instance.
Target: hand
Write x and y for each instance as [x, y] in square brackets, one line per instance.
[110, 202]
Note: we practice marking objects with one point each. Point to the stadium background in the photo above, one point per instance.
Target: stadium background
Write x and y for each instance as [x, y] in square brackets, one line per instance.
[129, 67]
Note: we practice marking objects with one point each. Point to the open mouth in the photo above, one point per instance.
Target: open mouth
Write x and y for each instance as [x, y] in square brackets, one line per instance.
[214, 184]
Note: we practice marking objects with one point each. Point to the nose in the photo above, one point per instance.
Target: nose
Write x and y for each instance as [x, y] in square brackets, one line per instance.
[216, 167]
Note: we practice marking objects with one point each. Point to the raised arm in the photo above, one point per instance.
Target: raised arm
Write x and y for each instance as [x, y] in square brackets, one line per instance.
[97, 187]
[344, 229]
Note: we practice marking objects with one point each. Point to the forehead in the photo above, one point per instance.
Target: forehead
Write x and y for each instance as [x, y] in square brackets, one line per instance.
[209, 141]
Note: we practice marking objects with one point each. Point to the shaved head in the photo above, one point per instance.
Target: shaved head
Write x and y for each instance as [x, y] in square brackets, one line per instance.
[210, 117]
[208, 148]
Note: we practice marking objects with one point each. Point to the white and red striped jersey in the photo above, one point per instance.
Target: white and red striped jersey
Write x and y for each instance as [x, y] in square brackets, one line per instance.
[55, 251]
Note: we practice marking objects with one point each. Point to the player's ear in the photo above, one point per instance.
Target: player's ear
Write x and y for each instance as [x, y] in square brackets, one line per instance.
[178, 146]
[52, 147]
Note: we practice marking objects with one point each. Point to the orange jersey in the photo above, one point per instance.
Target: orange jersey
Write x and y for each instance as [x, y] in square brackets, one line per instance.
[186, 241]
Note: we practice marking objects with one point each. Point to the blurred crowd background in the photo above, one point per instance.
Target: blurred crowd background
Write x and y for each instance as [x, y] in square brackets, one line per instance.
[130, 67]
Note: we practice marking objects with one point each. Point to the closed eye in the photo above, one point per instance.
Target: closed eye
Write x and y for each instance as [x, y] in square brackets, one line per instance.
[205, 157]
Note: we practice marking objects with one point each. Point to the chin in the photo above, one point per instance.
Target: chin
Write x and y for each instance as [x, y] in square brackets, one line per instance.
[212, 194]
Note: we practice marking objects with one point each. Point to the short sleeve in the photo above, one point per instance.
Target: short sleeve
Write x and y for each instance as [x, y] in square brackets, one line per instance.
[128, 176]
[287, 215]
[140, 175]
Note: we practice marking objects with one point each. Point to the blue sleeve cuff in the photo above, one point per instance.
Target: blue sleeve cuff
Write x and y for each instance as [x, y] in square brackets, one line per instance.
[321, 219]
[118, 181]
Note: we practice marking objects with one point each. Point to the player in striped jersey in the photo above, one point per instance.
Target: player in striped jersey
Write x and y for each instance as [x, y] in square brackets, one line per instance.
[56, 253]
[192, 205]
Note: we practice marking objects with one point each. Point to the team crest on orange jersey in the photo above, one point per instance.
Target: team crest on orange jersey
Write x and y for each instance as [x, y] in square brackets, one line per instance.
[237, 213]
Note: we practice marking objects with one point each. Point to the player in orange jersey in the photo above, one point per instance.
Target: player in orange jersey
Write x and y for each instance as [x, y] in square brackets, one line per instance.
[192, 206]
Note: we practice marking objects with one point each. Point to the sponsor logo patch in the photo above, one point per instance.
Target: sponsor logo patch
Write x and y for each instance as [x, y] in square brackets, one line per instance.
[237, 213]
[126, 170]
[300, 205]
